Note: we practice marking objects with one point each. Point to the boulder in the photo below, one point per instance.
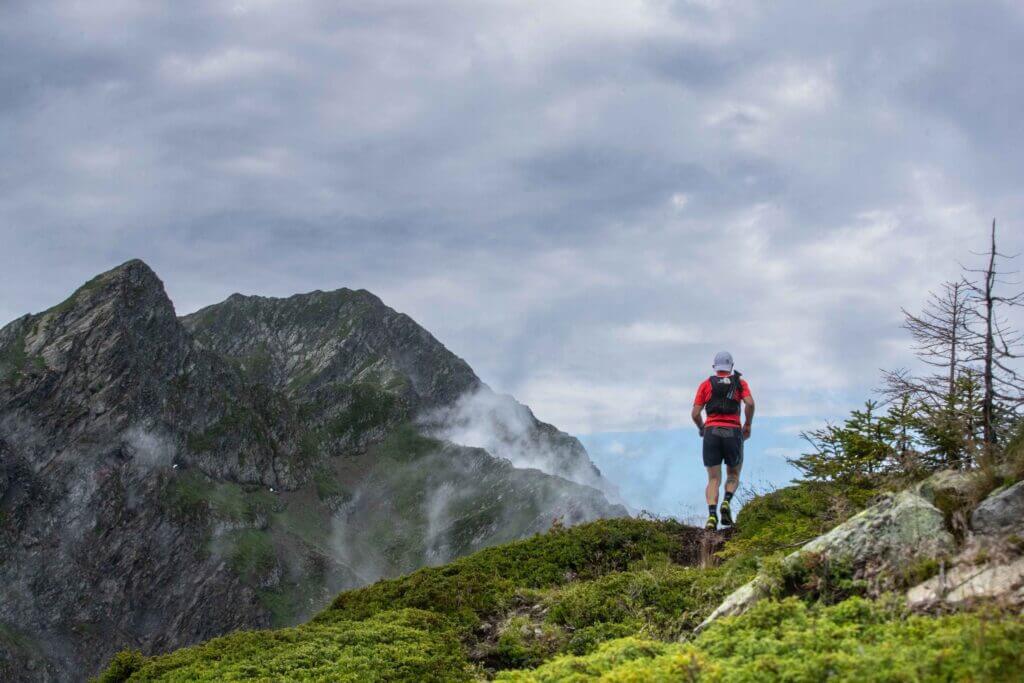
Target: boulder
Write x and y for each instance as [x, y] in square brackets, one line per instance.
[900, 528]
[879, 543]
[968, 583]
[740, 600]
[947, 485]
[1000, 514]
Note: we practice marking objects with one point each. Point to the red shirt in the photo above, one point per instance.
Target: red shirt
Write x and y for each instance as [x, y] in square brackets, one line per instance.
[704, 395]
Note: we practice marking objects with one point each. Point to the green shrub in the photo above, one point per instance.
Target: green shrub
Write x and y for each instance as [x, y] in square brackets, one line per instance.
[485, 583]
[664, 602]
[121, 667]
[585, 640]
[405, 645]
[523, 644]
[856, 640]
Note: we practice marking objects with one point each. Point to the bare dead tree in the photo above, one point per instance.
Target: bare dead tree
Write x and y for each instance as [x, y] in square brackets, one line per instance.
[937, 401]
[940, 333]
[993, 341]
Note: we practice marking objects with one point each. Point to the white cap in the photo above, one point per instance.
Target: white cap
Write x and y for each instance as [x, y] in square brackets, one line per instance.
[723, 362]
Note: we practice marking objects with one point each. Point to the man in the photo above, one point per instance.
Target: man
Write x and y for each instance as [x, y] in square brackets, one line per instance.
[720, 397]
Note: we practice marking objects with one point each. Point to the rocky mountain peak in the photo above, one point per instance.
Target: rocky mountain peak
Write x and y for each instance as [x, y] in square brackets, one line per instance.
[165, 480]
[306, 342]
[111, 344]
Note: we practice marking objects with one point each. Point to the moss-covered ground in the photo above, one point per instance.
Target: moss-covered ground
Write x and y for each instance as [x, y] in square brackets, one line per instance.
[615, 600]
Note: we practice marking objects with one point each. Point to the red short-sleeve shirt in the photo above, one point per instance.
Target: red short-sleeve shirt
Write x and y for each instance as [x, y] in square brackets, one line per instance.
[704, 395]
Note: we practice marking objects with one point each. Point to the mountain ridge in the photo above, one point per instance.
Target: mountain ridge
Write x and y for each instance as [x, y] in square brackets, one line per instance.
[159, 486]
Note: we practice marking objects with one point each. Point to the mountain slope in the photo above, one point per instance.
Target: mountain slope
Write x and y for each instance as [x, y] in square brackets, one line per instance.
[163, 482]
[618, 600]
[327, 349]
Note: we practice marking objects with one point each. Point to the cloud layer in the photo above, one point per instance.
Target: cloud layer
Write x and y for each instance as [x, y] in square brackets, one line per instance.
[584, 201]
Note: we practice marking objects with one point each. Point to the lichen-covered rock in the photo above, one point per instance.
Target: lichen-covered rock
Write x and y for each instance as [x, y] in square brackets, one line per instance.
[901, 528]
[1001, 513]
[740, 600]
[947, 485]
[967, 583]
[878, 543]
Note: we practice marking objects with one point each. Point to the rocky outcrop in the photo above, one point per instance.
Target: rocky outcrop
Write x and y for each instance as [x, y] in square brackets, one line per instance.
[306, 342]
[990, 565]
[967, 583]
[1001, 513]
[164, 482]
[902, 528]
[323, 348]
[877, 545]
[890, 543]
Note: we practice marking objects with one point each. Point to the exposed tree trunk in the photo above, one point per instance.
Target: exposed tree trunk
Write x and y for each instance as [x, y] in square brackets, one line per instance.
[988, 401]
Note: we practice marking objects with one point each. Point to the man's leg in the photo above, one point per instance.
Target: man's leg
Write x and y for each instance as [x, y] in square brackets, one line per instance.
[714, 483]
[713, 464]
[711, 496]
[732, 478]
[733, 465]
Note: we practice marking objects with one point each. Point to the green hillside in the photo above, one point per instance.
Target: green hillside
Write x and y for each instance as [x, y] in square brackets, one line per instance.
[619, 600]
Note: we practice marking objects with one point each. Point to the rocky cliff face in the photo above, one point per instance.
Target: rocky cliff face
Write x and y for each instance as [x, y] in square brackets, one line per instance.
[163, 481]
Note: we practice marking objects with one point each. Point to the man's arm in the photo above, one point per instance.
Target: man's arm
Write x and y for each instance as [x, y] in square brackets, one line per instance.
[697, 419]
[748, 401]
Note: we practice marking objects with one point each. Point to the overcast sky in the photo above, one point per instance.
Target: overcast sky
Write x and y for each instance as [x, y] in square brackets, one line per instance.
[585, 200]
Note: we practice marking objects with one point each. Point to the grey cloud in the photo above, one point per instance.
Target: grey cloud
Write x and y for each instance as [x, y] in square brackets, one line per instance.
[527, 179]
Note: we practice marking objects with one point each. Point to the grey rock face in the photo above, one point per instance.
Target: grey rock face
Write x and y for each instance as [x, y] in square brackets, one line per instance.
[309, 341]
[314, 347]
[163, 481]
[1000, 513]
[967, 583]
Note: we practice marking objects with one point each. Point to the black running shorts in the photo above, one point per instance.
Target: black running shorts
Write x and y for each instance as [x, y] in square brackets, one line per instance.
[723, 444]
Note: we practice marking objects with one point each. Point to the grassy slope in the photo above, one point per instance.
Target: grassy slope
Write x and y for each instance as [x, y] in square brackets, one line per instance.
[609, 600]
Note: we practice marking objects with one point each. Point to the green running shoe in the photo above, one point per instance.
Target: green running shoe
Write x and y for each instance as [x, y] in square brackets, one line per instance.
[726, 514]
[712, 523]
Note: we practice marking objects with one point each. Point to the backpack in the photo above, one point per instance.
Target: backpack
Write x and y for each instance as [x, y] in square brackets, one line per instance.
[724, 391]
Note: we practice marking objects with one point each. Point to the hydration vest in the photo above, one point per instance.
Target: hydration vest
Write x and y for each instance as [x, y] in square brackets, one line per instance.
[724, 393]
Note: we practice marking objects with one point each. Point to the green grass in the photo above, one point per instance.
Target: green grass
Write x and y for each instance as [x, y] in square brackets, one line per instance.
[791, 516]
[614, 600]
[369, 407]
[403, 645]
[328, 485]
[238, 419]
[68, 304]
[663, 602]
[856, 640]
[481, 585]
[404, 444]
[186, 495]
[13, 359]
[252, 554]
[192, 496]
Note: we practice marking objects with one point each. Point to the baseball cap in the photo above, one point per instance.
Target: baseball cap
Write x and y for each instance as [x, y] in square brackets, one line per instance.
[723, 362]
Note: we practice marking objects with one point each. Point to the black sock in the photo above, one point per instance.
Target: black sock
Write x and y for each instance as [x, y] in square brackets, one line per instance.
[712, 510]
[728, 495]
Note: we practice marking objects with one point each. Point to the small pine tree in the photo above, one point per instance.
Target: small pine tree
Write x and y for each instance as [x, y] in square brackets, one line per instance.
[864, 446]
